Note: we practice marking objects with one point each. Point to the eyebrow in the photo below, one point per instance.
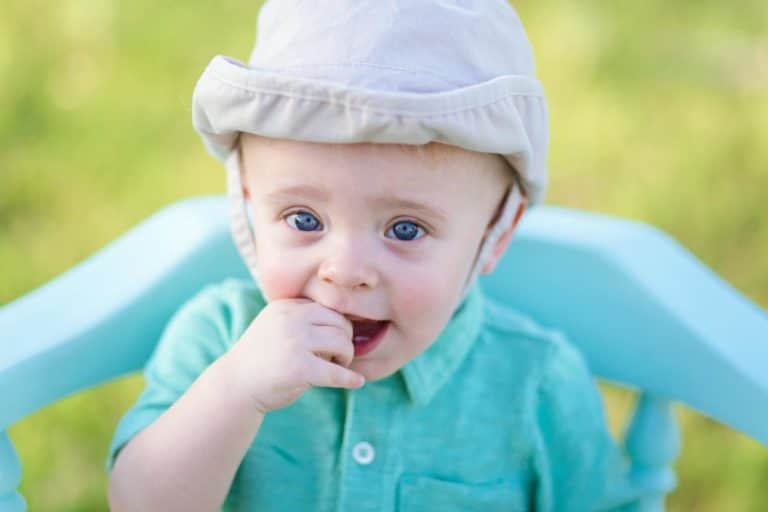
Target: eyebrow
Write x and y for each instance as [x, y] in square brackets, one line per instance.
[387, 200]
[298, 190]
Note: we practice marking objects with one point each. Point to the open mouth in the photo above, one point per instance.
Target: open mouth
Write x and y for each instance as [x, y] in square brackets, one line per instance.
[367, 334]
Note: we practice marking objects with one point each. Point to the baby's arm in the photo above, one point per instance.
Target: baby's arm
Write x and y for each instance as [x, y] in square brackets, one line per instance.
[580, 466]
[187, 458]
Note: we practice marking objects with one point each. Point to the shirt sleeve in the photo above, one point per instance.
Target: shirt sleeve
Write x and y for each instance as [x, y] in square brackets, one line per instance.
[579, 466]
[200, 332]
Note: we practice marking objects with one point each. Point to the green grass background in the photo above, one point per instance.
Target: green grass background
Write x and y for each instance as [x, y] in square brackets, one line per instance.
[659, 112]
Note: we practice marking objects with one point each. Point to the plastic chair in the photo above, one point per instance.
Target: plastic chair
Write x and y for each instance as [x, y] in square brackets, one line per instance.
[668, 326]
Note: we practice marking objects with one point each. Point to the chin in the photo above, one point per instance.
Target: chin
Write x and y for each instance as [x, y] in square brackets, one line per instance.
[371, 369]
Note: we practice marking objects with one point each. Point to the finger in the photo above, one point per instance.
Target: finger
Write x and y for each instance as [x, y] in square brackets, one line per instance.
[315, 313]
[332, 344]
[320, 315]
[323, 314]
[333, 375]
[342, 330]
[300, 298]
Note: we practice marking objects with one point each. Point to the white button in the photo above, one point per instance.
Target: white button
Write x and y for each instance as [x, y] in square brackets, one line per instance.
[363, 453]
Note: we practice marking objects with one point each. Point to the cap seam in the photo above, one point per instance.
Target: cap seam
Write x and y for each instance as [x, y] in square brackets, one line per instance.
[375, 66]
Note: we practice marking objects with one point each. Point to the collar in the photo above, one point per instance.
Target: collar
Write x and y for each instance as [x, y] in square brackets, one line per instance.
[428, 372]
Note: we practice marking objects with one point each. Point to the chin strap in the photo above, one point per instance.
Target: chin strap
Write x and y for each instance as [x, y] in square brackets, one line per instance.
[242, 232]
[508, 211]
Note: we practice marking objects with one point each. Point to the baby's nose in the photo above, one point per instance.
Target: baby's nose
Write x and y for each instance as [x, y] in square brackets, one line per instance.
[349, 267]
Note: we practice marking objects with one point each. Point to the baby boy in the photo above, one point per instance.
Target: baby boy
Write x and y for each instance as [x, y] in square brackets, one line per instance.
[379, 157]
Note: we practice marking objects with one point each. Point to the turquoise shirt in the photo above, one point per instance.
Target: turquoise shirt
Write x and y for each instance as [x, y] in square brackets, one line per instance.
[497, 414]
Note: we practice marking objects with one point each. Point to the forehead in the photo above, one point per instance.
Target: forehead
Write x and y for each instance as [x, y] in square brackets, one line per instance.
[432, 168]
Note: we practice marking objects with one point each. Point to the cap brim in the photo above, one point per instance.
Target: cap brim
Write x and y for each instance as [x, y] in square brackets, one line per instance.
[505, 115]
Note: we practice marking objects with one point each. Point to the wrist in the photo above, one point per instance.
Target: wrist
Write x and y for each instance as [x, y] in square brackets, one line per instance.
[226, 384]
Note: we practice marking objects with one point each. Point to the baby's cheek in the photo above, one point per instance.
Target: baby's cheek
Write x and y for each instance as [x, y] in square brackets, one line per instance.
[427, 294]
[279, 281]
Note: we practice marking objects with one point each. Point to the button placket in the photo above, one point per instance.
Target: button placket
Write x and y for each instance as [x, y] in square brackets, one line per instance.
[363, 477]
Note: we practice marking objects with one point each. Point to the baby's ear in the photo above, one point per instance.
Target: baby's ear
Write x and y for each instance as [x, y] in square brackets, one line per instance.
[504, 239]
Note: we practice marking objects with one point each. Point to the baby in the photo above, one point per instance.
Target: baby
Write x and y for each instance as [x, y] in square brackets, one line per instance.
[379, 157]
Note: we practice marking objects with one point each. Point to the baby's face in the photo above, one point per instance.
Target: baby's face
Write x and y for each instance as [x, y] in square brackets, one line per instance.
[371, 231]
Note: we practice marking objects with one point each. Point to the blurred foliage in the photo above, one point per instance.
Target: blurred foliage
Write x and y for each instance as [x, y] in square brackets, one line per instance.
[658, 113]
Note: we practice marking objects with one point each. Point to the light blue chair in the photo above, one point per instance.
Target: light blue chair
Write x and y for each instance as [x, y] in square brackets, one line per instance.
[645, 312]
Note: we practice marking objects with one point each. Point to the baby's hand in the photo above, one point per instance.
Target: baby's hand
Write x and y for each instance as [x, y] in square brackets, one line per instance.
[291, 345]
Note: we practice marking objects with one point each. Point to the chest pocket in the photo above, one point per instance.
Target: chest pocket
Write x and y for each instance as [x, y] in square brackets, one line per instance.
[420, 493]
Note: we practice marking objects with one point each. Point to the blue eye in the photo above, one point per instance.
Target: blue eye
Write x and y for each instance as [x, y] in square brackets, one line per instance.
[406, 230]
[303, 221]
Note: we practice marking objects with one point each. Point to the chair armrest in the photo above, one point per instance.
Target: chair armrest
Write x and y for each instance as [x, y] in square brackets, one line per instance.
[643, 310]
[102, 318]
